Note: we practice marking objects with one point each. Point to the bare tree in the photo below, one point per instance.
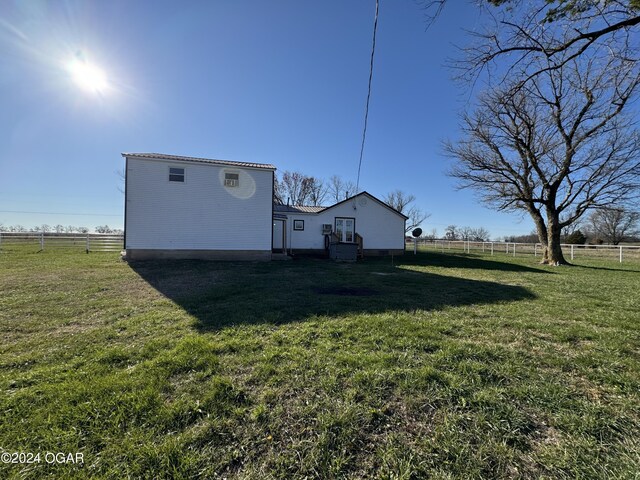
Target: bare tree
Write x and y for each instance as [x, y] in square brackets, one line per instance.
[465, 233]
[69, 229]
[401, 202]
[472, 234]
[339, 189]
[317, 191]
[295, 187]
[82, 230]
[45, 228]
[103, 229]
[299, 189]
[480, 234]
[416, 217]
[451, 233]
[614, 225]
[558, 144]
[555, 31]
[278, 192]
[58, 228]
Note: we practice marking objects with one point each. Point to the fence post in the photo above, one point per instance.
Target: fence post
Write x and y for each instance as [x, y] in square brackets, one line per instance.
[507, 245]
[620, 253]
[491, 248]
[535, 249]
[88, 246]
[514, 249]
[571, 252]
[41, 241]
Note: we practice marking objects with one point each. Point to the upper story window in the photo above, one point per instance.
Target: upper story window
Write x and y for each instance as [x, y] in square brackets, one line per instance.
[231, 180]
[176, 174]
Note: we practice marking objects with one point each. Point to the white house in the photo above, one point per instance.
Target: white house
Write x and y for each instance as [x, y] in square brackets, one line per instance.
[362, 219]
[187, 207]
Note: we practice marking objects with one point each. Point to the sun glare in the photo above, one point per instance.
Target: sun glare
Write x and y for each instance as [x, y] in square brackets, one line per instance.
[88, 77]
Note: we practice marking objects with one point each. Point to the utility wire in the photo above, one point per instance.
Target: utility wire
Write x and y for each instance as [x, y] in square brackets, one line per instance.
[64, 213]
[366, 111]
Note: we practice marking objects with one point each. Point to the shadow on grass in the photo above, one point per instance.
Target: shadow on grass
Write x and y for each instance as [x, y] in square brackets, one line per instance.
[626, 268]
[463, 260]
[219, 294]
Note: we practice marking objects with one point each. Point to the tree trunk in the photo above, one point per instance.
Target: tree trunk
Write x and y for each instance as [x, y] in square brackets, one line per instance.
[543, 233]
[552, 252]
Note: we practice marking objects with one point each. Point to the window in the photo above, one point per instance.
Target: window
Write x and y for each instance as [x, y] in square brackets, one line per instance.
[176, 174]
[298, 224]
[231, 180]
[345, 229]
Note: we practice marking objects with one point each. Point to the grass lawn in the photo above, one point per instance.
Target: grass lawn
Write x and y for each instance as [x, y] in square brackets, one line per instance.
[444, 366]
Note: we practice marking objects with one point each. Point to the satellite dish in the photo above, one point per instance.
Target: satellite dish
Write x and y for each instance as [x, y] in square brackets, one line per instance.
[416, 232]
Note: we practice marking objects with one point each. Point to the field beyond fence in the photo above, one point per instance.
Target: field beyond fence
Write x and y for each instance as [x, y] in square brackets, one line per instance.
[99, 242]
[619, 253]
[81, 242]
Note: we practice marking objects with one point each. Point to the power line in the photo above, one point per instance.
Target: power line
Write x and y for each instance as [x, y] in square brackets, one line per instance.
[63, 213]
[366, 111]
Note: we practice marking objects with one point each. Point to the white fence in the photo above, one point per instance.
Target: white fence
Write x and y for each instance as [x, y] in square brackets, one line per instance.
[619, 253]
[38, 241]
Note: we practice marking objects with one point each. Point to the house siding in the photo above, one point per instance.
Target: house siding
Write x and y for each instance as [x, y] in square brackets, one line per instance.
[381, 228]
[200, 214]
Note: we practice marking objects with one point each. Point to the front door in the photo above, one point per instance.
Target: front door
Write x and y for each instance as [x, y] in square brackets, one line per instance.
[278, 235]
[345, 229]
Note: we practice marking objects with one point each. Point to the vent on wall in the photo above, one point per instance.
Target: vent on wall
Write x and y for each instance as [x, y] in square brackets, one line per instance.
[326, 229]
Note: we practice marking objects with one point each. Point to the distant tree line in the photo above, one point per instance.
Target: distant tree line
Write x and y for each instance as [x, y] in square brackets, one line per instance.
[45, 228]
[480, 234]
[611, 226]
[296, 188]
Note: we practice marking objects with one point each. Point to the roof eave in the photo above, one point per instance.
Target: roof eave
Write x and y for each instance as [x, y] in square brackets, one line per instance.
[207, 161]
[370, 196]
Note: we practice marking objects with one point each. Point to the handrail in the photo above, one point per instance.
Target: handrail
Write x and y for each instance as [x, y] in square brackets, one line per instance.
[360, 242]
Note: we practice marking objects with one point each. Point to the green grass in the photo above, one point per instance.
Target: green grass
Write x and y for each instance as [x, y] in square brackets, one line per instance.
[439, 366]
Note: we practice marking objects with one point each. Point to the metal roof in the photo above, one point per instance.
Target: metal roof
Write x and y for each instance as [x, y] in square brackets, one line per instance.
[296, 209]
[305, 209]
[179, 158]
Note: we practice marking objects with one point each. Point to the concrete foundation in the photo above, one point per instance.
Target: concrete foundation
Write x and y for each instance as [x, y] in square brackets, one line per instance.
[228, 255]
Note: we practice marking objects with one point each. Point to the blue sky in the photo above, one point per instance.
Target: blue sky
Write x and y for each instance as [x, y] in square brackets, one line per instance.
[280, 82]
